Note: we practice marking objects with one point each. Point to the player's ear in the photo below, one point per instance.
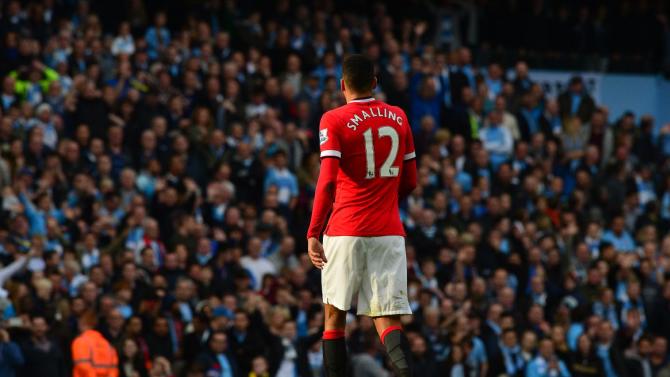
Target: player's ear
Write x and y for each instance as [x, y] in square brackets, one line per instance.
[374, 83]
[342, 87]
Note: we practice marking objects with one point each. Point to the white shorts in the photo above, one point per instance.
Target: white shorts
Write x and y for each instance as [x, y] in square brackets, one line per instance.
[374, 268]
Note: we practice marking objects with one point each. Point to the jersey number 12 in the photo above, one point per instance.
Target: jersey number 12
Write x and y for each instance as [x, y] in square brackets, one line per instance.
[387, 169]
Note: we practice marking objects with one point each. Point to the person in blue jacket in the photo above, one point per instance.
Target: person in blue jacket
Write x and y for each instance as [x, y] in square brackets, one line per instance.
[10, 355]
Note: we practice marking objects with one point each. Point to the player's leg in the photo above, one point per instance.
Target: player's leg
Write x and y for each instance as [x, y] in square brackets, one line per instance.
[383, 296]
[397, 347]
[334, 345]
[339, 280]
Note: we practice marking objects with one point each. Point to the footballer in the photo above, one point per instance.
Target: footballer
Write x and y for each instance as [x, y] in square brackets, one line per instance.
[367, 166]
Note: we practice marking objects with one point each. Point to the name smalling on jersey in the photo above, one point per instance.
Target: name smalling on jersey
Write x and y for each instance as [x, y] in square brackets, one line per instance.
[373, 112]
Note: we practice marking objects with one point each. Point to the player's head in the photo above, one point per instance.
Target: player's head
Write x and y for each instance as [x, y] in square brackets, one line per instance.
[358, 76]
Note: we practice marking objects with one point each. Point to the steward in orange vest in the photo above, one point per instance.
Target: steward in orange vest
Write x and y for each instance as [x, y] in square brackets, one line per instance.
[92, 355]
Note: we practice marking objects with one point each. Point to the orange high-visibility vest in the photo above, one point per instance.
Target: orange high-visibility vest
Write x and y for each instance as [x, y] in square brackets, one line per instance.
[93, 356]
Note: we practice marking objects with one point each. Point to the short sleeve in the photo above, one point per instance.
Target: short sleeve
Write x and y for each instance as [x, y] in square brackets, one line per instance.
[329, 142]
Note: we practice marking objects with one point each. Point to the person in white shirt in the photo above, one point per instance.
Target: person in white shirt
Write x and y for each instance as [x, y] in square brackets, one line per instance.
[508, 119]
[256, 264]
[6, 272]
[288, 366]
[123, 43]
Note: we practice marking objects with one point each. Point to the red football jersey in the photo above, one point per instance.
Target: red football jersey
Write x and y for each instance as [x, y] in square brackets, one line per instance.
[372, 140]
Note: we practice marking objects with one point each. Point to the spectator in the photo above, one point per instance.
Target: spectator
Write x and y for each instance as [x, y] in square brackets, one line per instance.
[287, 362]
[601, 136]
[161, 367]
[112, 329]
[131, 362]
[608, 351]
[31, 83]
[257, 265]
[364, 364]
[282, 182]
[91, 353]
[216, 360]
[123, 43]
[11, 355]
[7, 271]
[547, 363]
[159, 340]
[618, 236]
[456, 365]
[245, 342]
[573, 139]
[423, 360]
[657, 358]
[508, 119]
[583, 361]
[576, 101]
[42, 355]
[426, 101]
[497, 140]
[259, 367]
[508, 360]
[551, 119]
[285, 256]
[157, 36]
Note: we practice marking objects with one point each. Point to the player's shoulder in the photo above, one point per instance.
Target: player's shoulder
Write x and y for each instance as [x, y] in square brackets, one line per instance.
[396, 113]
[342, 110]
[396, 109]
[332, 117]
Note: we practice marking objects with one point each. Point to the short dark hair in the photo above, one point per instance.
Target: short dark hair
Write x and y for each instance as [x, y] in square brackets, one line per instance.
[358, 73]
[508, 330]
[576, 80]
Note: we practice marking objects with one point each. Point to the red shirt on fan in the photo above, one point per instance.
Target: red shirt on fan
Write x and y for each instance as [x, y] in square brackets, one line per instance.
[373, 142]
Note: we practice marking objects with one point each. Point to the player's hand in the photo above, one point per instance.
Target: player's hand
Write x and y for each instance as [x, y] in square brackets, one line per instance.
[316, 254]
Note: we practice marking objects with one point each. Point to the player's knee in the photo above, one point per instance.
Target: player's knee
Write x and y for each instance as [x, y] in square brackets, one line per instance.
[335, 319]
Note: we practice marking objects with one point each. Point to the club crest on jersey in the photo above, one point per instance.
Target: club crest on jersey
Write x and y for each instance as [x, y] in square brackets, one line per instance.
[323, 136]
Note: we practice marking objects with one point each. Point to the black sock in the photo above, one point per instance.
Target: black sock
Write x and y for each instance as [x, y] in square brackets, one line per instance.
[334, 353]
[397, 348]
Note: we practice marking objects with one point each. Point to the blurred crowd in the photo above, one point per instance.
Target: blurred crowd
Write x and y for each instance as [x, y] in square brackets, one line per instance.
[157, 171]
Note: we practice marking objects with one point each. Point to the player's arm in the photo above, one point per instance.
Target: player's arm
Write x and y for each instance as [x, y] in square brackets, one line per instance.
[408, 177]
[324, 195]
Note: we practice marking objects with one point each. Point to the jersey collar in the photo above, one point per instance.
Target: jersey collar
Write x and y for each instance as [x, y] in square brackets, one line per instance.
[362, 100]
